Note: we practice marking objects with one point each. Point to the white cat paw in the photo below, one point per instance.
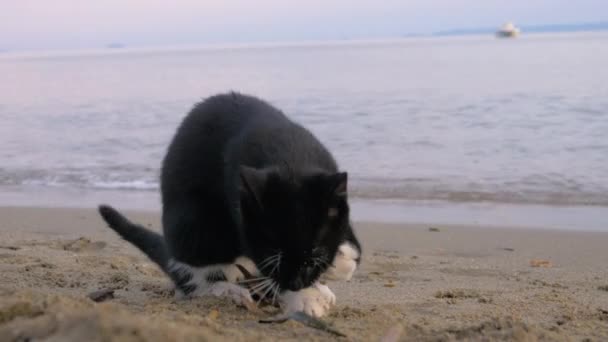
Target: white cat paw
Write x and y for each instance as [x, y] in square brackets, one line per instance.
[236, 293]
[326, 293]
[344, 265]
[314, 301]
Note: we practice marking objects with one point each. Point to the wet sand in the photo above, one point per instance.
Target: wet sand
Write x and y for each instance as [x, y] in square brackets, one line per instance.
[414, 284]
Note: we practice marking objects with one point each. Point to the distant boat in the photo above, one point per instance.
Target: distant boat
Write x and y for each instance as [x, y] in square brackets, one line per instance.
[508, 30]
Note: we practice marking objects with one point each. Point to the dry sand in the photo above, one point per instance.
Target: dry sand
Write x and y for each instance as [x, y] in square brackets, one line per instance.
[418, 284]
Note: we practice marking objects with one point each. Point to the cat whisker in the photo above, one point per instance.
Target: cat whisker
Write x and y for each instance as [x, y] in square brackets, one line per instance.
[265, 261]
[276, 266]
[274, 262]
[262, 285]
[276, 292]
[266, 292]
[269, 260]
[276, 257]
[265, 281]
[273, 265]
[266, 264]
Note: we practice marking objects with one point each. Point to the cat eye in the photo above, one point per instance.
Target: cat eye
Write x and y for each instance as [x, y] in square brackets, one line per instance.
[332, 212]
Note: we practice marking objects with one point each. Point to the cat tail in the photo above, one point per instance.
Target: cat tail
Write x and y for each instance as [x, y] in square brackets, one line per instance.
[149, 242]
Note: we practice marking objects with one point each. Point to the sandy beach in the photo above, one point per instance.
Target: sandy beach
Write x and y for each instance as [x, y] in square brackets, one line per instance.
[416, 283]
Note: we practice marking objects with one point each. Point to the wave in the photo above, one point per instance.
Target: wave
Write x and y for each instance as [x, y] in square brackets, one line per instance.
[74, 178]
[500, 196]
[524, 192]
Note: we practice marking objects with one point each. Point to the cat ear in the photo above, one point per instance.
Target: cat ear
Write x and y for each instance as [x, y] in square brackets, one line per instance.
[338, 183]
[252, 182]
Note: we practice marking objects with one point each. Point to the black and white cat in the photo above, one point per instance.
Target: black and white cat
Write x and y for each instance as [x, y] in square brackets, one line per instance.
[243, 184]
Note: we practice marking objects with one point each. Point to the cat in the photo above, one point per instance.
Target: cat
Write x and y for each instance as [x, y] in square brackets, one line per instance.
[243, 184]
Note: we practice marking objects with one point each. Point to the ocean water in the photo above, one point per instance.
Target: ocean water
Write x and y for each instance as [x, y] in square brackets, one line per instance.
[463, 119]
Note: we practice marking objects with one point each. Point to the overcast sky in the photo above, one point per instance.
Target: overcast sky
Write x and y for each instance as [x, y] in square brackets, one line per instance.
[45, 24]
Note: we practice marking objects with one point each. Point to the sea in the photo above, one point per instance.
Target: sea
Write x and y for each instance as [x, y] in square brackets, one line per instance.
[470, 129]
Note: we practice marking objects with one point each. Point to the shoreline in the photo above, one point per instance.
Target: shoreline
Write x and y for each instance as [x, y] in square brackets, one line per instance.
[479, 214]
[458, 281]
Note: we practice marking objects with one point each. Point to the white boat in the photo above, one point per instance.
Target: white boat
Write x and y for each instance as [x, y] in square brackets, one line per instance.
[508, 30]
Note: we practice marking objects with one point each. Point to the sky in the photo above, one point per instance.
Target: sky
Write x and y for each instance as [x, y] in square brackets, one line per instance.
[58, 24]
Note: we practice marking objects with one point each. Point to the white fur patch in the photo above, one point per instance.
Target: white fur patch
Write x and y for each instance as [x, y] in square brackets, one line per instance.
[226, 288]
[198, 279]
[239, 295]
[344, 264]
[314, 301]
[326, 293]
[233, 274]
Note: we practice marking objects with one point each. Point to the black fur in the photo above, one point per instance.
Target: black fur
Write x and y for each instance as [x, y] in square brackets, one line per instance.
[241, 179]
[151, 243]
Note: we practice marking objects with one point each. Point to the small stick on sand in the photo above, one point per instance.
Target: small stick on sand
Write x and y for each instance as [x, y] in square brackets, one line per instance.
[101, 295]
[305, 319]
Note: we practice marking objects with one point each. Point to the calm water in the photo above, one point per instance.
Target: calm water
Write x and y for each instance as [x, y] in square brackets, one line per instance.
[463, 119]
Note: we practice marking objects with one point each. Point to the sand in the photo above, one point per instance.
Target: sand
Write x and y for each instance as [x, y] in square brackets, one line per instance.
[414, 284]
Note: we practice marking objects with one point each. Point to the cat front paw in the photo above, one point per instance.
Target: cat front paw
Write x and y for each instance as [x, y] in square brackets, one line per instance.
[344, 264]
[239, 295]
[314, 301]
[326, 293]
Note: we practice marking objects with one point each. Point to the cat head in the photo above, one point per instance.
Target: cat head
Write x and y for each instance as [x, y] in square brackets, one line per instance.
[295, 223]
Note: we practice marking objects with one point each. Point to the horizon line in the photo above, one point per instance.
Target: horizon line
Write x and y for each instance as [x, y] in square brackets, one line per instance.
[116, 46]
